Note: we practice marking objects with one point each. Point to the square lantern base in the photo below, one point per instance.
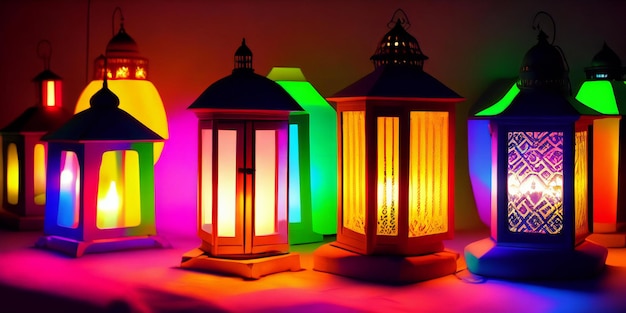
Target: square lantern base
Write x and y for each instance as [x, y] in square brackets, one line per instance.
[13, 221]
[78, 248]
[609, 240]
[197, 259]
[388, 269]
[487, 258]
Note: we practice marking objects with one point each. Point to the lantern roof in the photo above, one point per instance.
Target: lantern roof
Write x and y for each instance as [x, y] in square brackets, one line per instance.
[543, 66]
[46, 75]
[245, 90]
[605, 65]
[606, 58]
[38, 119]
[398, 47]
[122, 45]
[103, 121]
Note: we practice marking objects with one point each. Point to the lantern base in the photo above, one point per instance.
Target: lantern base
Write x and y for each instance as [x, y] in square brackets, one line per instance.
[13, 221]
[78, 248]
[487, 258]
[609, 240]
[197, 259]
[388, 269]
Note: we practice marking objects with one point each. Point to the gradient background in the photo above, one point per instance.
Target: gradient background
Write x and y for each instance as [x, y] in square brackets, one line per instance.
[190, 44]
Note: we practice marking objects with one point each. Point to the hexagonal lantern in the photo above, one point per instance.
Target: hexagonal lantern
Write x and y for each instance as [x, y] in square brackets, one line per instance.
[540, 199]
[396, 169]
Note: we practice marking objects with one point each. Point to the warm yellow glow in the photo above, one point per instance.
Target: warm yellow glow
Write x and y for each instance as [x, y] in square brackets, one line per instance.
[353, 169]
[137, 97]
[226, 182]
[50, 93]
[206, 179]
[122, 72]
[110, 204]
[69, 191]
[605, 169]
[388, 175]
[265, 182]
[580, 184]
[13, 174]
[428, 173]
[140, 73]
[533, 185]
[118, 190]
[39, 173]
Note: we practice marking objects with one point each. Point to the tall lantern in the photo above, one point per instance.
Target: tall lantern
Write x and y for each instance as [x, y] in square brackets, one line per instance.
[127, 74]
[396, 169]
[605, 91]
[100, 182]
[312, 160]
[243, 152]
[540, 200]
[24, 154]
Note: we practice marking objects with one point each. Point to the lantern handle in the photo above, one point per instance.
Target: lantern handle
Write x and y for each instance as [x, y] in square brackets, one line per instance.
[116, 10]
[537, 26]
[399, 15]
[44, 51]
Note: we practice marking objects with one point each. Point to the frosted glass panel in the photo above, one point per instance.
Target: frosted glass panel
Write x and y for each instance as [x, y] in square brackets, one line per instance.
[13, 174]
[39, 174]
[353, 158]
[428, 173]
[118, 202]
[69, 190]
[265, 182]
[581, 179]
[535, 182]
[388, 176]
[227, 182]
[206, 207]
[294, 176]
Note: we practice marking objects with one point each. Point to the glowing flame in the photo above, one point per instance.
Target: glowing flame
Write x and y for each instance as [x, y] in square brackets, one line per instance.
[111, 202]
[50, 96]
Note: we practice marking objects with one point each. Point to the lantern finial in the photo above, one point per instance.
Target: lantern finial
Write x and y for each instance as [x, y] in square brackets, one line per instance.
[398, 47]
[104, 98]
[243, 58]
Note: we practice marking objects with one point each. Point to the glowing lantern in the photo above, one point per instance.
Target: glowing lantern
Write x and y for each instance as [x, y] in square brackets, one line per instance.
[396, 169]
[24, 154]
[605, 91]
[127, 72]
[312, 159]
[100, 182]
[243, 174]
[540, 145]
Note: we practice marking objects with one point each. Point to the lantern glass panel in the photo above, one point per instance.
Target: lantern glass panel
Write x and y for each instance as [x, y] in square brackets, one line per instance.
[207, 180]
[295, 213]
[39, 174]
[605, 165]
[227, 182]
[388, 175]
[353, 151]
[118, 190]
[581, 164]
[535, 182]
[265, 182]
[69, 190]
[13, 174]
[428, 173]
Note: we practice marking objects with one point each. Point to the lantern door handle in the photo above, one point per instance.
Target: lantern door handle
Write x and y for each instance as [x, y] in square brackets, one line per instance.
[246, 170]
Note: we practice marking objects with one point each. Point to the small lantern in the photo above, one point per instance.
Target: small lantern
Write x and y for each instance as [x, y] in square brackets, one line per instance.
[24, 154]
[127, 74]
[312, 160]
[396, 169]
[540, 199]
[100, 182]
[605, 91]
[243, 174]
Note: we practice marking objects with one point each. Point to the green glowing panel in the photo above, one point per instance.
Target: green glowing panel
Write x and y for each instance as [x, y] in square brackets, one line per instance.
[598, 95]
[502, 104]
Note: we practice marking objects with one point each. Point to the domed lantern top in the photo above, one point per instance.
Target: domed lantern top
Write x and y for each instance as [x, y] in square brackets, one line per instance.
[399, 47]
[544, 67]
[605, 65]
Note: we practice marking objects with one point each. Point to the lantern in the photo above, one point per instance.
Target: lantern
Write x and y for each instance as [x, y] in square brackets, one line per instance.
[127, 74]
[540, 200]
[312, 159]
[243, 174]
[100, 182]
[396, 170]
[24, 154]
[605, 92]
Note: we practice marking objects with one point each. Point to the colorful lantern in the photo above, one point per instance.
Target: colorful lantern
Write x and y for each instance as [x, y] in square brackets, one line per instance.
[540, 199]
[100, 182]
[605, 92]
[24, 154]
[396, 169]
[312, 160]
[127, 74]
[243, 151]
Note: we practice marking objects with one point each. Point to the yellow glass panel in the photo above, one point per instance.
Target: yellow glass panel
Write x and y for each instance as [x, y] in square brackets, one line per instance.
[206, 207]
[118, 190]
[265, 182]
[388, 175]
[353, 158]
[69, 190]
[428, 173]
[581, 179]
[50, 94]
[226, 182]
[13, 174]
[39, 173]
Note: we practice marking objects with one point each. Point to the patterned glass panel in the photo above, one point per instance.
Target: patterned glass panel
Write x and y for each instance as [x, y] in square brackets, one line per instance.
[535, 182]
[580, 184]
[353, 158]
[428, 174]
[388, 176]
